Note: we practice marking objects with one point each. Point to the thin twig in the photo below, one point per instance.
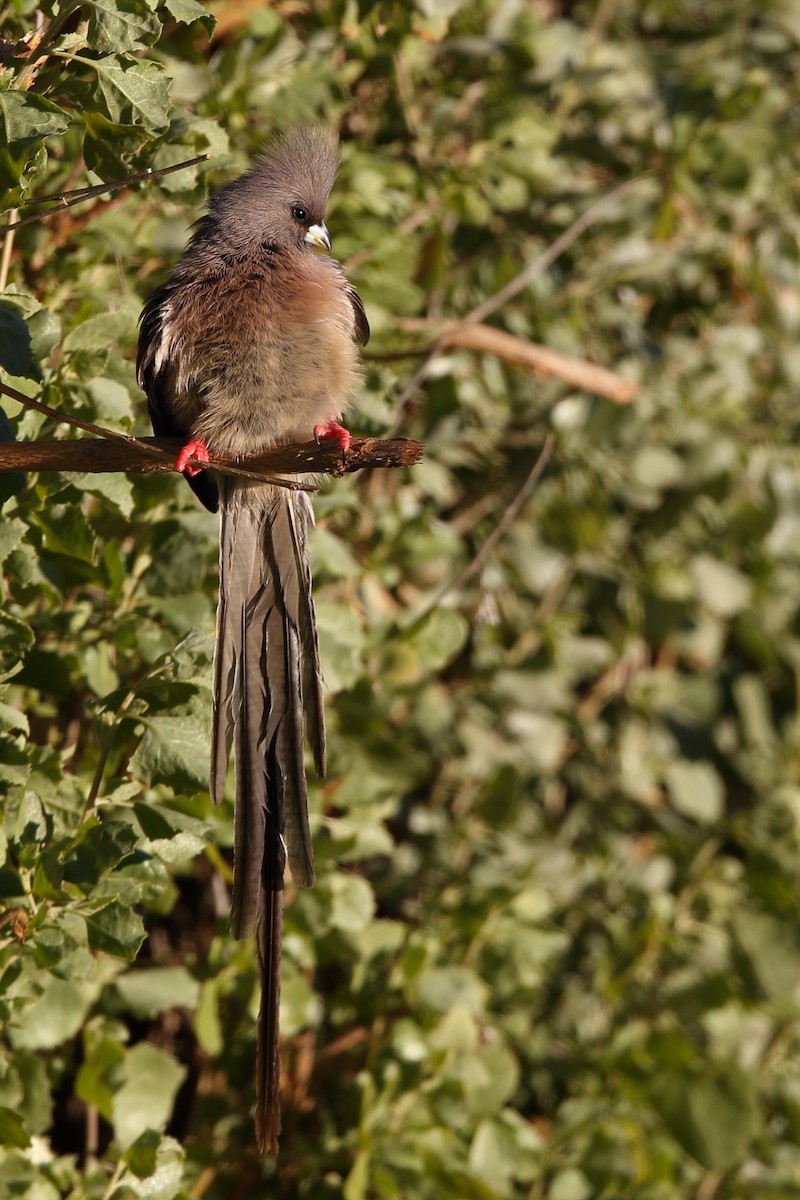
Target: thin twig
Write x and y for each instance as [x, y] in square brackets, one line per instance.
[78, 195]
[555, 250]
[472, 568]
[77, 422]
[524, 278]
[108, 742]
[116, 1175]
[5, 259]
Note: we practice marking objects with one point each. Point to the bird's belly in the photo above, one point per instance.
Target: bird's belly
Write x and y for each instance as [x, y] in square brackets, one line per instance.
[271, 391]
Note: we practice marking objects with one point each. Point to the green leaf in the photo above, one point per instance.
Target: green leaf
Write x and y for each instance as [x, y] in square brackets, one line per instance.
[713, 1118]
[696, 790]
[207, 1023]
[36, 1105]
[441, 988]
[115, 929]
[111, 401]
[117, 26]
[15, 638]
[44, 327]
[570, 1184]
[489, 1079]
[16, 355]
[154, 1176]
[768, 953]
[189, 11]
[26, 119]
[116, 490]
[67, 531]
[12, 532]
[352, 902]
[12, 1130]
[56, 1015]
[341, 639]
[146, 1098]
[174, 750]
[96, 849]
[102, 332]
[146, 993]
[141, 1156]
[108, 146]
[721, 588]
[132, 92]
[101, 1073]
[177, 568]
[173, 836]
[357, 1181]
[439, 638]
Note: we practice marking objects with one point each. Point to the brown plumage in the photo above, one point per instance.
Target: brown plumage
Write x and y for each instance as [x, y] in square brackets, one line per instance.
[250, 342]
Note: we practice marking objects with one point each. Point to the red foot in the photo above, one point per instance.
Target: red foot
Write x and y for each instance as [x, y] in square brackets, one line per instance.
[333, 430]
[196, 448]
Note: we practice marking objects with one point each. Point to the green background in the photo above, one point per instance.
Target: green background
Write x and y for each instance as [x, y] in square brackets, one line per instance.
[554, 949]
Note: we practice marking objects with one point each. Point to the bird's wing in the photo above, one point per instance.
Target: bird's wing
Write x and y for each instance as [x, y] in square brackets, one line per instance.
[156, 373]
[359, 315]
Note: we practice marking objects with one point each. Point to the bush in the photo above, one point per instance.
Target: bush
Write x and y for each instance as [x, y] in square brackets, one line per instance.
[554, 950]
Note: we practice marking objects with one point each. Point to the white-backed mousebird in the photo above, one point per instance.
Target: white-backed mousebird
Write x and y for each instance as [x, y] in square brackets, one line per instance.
[249, 343]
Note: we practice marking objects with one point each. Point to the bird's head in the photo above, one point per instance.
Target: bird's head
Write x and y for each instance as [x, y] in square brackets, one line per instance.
[281, 201]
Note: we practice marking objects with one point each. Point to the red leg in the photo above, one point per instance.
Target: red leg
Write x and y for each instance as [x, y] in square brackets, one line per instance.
[195, 448]
[323, 433]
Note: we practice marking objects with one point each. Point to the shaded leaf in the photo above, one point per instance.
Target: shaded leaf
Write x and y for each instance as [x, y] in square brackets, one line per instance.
[146, 1098]
[714, 1119]
[115, 929]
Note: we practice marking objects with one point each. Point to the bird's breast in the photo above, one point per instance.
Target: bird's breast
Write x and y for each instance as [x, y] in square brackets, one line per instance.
[271, 356]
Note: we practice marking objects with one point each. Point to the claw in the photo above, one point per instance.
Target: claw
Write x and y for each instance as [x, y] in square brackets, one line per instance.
[333, 430]
[196, 448]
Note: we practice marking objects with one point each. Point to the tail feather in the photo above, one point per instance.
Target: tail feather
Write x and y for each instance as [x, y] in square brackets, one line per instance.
[301, 515]
[256, 812]
[266, 671]
[291, 780]
[268, 1067]
[227, 654]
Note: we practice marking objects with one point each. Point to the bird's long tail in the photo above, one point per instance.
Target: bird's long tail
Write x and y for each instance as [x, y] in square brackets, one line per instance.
[266, 676]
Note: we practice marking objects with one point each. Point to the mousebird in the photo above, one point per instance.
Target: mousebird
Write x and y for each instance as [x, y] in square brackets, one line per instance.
[248, 343]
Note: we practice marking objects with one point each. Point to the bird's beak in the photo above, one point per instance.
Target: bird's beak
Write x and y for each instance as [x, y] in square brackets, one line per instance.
[318, 236]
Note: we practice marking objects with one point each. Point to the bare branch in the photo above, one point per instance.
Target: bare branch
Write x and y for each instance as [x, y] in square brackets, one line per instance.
[523, 279]
[475, 564]
[485, 339]
[556, 248]
[64, 200]
[109, 451]
[150, 455]
[67, 418]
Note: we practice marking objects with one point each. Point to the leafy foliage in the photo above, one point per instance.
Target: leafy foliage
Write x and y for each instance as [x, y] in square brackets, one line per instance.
[554, 949]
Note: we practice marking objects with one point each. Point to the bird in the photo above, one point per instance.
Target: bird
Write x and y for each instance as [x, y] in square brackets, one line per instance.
[251, 341]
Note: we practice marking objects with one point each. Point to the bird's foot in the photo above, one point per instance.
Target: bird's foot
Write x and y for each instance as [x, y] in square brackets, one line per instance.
[196, 448]
[333, 431]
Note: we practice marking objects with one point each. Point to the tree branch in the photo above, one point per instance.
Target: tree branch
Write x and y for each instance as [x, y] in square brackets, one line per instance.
[499, 531]
[485, 339]
[63, 200]
[146, 456]
[525, 277]
[111, 451]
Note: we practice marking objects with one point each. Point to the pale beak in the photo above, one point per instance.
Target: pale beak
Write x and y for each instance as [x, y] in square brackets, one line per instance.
[318, 236]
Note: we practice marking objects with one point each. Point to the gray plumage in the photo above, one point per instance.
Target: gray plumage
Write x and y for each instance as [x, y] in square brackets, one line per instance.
[249, 342]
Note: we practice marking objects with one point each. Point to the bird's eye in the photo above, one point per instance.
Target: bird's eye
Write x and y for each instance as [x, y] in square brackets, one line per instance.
[300, 214]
